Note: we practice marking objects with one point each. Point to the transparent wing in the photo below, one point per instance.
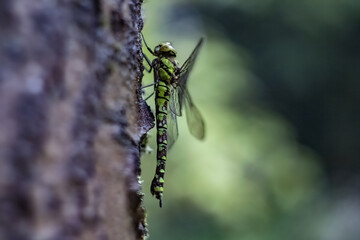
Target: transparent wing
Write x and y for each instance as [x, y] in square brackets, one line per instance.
[172, 131]
[188, 65]
[194, 119]
[175, 103]
[177, 93]
[180, 97]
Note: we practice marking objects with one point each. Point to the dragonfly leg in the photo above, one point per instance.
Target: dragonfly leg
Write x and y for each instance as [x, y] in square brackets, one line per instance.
[149, 49]
[146, 86]
[148, 62]
[148, 70]
[146, 58]
[149, 96]
[149, 85]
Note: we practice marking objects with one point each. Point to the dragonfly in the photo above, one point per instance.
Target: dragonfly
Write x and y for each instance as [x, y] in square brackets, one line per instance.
[171, 98]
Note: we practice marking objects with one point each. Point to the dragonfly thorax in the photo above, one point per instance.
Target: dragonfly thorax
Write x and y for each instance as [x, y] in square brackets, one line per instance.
[165, 49]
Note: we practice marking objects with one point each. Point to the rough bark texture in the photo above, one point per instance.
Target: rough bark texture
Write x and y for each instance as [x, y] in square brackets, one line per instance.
[71, 119]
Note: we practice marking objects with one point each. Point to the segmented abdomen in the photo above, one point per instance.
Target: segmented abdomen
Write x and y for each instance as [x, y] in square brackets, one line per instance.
[161, 101]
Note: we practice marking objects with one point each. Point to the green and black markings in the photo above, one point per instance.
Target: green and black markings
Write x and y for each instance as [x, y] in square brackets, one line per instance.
[171, 95]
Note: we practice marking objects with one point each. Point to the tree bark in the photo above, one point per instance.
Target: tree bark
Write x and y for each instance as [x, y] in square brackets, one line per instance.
[71, 119]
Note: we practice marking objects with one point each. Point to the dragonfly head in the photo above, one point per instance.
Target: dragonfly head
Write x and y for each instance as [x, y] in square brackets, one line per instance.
[165, 49]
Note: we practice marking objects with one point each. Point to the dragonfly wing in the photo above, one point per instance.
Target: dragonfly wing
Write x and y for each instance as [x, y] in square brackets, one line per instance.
[189, 64]
[177, 92]
[194, 119]
[180, 97]
[172, 131]
[175, 101]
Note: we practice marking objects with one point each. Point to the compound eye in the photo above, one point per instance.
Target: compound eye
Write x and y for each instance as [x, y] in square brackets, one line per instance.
[157, 49]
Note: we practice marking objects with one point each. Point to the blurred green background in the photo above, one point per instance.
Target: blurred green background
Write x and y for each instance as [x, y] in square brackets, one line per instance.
[277, 82]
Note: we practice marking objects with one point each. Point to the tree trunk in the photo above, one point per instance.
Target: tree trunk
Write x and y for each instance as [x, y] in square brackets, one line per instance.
[71, 119]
